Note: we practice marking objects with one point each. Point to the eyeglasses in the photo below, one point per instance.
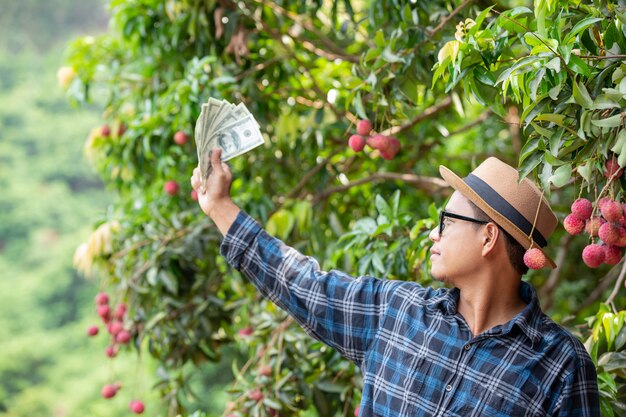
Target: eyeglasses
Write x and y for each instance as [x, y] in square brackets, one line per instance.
[443, 214]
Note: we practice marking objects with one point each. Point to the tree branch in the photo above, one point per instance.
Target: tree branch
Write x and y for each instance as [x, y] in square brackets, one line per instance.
[428, 112]
[618, 284]
[599, 290]
[449, 17]
[307, 177]
[329, 44]
[555, 275]
[430, 184]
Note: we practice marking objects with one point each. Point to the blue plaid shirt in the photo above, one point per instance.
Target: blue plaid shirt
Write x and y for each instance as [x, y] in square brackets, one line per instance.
[417, 354]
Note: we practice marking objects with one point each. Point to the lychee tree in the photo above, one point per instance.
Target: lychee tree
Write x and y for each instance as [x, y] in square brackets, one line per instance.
[359, 104]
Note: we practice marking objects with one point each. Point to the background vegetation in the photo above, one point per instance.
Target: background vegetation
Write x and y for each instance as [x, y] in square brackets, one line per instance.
[50, 198]
[540, 84]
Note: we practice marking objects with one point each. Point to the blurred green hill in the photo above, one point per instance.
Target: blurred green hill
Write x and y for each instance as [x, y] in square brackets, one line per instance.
[49, 199]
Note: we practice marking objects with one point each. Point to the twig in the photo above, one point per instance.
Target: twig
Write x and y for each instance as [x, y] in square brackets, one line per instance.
[258, 67]
[429, 112]
[618, 284]
[555, 275]
[449, 17]
[329, 44]
[305, 179]
[599, 290]
[430, 184]
[599, 58]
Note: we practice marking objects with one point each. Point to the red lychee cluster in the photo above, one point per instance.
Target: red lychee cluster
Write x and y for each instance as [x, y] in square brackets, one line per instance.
[609, 227]
[388, 146]
[120, 335]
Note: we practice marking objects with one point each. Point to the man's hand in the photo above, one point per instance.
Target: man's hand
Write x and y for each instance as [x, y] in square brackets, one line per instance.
[215, 200]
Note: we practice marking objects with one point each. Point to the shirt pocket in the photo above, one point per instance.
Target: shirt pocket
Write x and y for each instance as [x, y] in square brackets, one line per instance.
[500, 403]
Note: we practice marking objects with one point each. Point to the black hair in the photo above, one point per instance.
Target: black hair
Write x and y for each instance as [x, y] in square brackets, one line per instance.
[513, 248]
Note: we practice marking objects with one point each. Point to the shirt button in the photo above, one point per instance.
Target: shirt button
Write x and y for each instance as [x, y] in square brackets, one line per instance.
[448, 388]
[468, 346]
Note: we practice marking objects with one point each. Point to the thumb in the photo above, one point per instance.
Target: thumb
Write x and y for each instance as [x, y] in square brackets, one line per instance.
[216, 162]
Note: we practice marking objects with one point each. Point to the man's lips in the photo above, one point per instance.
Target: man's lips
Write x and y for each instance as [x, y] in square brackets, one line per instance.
[434, 252]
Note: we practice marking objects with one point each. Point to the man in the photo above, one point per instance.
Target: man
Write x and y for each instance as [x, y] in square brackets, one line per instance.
[481, 348]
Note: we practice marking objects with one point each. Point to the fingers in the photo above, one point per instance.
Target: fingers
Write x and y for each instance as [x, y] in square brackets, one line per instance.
[196, 182]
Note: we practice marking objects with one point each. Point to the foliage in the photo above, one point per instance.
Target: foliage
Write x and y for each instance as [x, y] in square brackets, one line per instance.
[308, 71]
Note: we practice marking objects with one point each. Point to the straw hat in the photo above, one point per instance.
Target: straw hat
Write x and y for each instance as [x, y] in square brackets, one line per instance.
[518, 207]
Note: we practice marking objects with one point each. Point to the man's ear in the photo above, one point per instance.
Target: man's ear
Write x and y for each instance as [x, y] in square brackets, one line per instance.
[491, 234]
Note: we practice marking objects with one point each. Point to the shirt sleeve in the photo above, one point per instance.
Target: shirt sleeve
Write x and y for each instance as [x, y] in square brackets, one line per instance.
[335, 308]
[579, 397]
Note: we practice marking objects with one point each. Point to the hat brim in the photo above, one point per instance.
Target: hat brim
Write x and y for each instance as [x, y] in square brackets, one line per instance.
[459, 185]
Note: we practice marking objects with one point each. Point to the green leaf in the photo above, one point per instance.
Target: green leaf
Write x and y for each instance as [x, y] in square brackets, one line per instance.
[479, 20]
[621, 159]
[585, 170]
[559, 119]
[280, 224]
[579, 66]
[383, 208]
[390, 57]
[613, 121]
[581, 95]
[358, 105]
[561, 176]
[579, 27]
[530, 164]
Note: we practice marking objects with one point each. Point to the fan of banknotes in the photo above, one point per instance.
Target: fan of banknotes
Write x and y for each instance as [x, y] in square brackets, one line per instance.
[227, 126]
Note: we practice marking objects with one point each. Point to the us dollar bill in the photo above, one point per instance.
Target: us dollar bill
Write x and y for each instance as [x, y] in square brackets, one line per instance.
[227, 126]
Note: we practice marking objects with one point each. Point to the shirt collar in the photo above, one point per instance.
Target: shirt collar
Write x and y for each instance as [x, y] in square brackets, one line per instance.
[528, 320]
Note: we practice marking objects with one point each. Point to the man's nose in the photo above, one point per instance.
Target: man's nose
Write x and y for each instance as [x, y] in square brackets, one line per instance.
[434, 234]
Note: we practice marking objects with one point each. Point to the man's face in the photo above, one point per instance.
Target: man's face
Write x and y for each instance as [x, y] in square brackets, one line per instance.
[456, 253]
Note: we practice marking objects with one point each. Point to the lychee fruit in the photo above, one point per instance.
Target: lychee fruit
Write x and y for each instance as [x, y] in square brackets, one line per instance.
[102, 298]
[171, 187]
[180, 137]
[104, 311]
[246, 331]
[109, 391]
[612, 170]
[121, 129]
[612, 211]
[593, 255]
[115, 328]
[392, 149]
[265, 370]
[364, 127]
[92, 330]
[593, 225]
[573, 225]
[110, 351]
[609, 233]
[357, 410]
[194, 195]
[356, 143]
[612, 254]
[621, 242]
[105, 130]
[582, 208]
[120, 311]
[380, 142]
[534, 258]
[601, 202]
[136, 406]
[123, 337]
[255, 395]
